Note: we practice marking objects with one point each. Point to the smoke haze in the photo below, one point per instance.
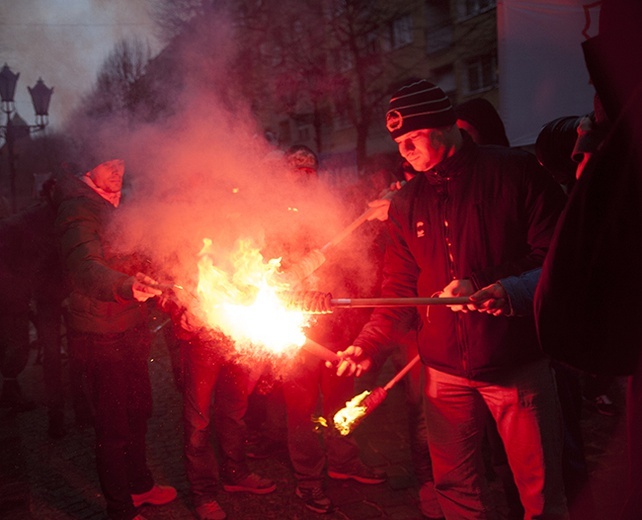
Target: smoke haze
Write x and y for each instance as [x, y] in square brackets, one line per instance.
[208, 172]
[205, 171]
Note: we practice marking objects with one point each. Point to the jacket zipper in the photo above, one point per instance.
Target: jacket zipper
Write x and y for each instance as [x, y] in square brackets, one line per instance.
[459, 332]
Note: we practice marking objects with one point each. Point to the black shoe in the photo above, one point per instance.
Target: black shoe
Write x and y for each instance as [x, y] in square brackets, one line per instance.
[315, 499]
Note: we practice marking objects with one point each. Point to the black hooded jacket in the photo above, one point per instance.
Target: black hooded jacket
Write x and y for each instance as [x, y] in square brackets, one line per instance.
[587, 305]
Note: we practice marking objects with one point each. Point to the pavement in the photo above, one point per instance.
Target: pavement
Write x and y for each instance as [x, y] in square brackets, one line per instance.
[42, 478]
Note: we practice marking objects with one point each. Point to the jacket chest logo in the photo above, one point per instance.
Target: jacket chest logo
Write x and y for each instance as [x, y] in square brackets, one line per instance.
[420, 230]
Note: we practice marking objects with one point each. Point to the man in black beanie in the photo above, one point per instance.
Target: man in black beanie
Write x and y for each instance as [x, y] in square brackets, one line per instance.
[471, 216]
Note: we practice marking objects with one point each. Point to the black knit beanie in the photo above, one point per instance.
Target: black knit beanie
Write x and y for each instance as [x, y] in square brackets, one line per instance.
[418, 106]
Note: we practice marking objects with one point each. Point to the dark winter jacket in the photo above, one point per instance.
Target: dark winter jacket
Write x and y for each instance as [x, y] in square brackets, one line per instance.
[29, 263]
[587, 304]
[483, 214]
[99, 301]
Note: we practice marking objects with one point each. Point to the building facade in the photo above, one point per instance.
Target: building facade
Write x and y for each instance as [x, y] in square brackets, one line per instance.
[336, 65]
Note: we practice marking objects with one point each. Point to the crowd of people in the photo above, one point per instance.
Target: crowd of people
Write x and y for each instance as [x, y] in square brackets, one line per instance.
[498, 386]
[573, 326]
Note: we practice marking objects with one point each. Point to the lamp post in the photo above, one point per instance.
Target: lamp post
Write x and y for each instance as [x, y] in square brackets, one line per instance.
[40, 97]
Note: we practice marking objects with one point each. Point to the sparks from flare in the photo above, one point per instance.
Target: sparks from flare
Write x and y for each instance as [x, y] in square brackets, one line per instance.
[244, 303]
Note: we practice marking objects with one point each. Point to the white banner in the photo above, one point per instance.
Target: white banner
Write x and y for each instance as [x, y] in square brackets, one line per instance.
[542, 74]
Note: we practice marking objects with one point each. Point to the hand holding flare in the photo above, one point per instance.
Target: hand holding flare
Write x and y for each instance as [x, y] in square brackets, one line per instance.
[143, 287]
[347, 419]
[377, 209]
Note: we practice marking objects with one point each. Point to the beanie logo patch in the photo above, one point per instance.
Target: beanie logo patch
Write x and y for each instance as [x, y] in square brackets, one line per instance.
[394, 120]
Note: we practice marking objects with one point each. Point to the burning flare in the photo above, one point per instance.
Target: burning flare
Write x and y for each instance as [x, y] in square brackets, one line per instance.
[245, 303]
[355, 410]
[346, 419]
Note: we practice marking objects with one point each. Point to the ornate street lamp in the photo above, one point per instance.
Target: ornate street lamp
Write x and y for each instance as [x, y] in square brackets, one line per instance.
[40, 97]
[8, 81]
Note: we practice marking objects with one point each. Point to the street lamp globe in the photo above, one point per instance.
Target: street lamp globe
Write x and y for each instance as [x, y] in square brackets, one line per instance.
[8, 81]
[40, 97]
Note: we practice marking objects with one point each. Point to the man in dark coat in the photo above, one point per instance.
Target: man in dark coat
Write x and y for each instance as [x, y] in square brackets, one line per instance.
[107, 322]
[28, 262]
[473, 215]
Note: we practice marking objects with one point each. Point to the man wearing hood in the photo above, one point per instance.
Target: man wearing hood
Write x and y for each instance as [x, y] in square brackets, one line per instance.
[587, 302]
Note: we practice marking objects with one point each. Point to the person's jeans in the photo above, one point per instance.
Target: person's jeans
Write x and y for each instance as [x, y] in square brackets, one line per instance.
[308, 452]
[235, 383]
[208, 376]
[413, 383]
[579, 496]
[525, 406]
[120, 391]
[48, 325]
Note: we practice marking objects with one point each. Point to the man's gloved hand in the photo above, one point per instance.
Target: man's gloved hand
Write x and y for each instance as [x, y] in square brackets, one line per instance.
[492, 299]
